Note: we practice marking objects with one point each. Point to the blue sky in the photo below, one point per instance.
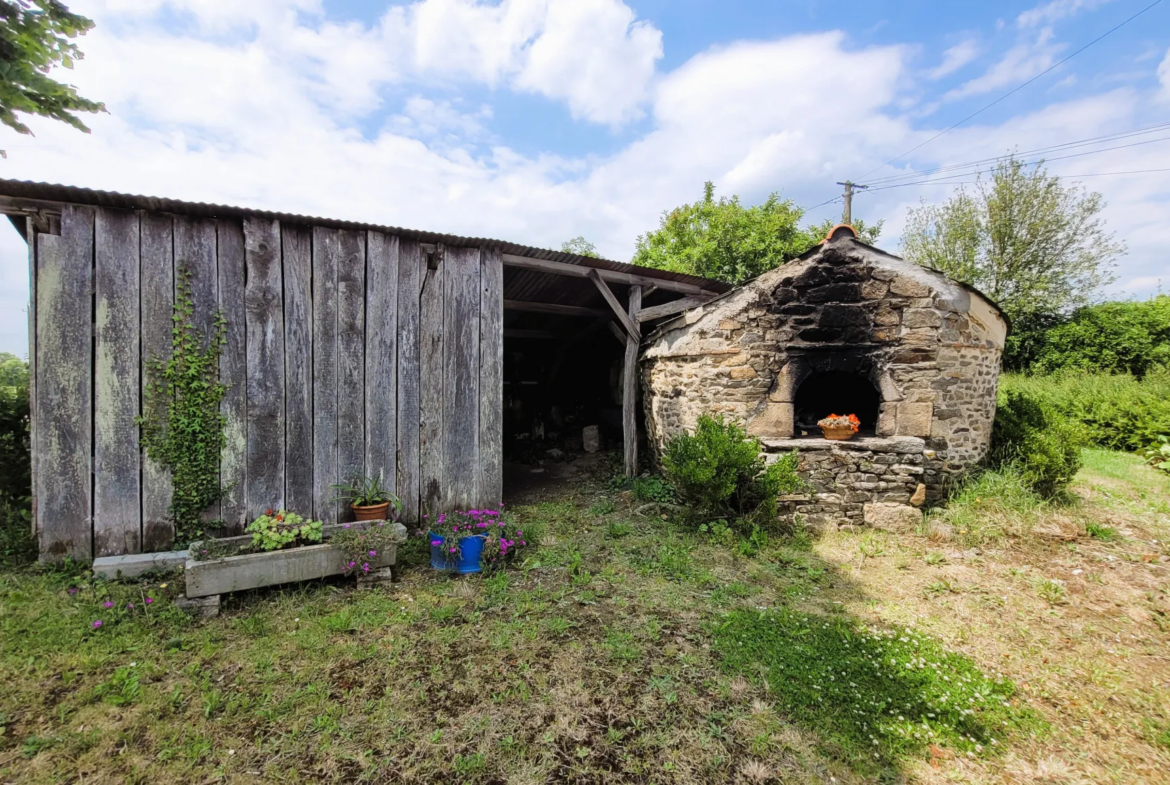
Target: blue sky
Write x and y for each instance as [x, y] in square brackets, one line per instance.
[539, 120]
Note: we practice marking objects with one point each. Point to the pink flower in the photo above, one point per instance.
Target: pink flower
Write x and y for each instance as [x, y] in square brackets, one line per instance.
[452, 550]
[351, 565]
[436, 543]
[73, 590]
[130, 606]
[107, 604]
[373, 553]
[149, 600]
[97, 624]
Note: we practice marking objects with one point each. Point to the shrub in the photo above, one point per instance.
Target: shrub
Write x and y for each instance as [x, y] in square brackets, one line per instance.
[1042, 446]
[720, 471]
[1115, 337]
[1117, 411]
[17, 544]
[281, 529]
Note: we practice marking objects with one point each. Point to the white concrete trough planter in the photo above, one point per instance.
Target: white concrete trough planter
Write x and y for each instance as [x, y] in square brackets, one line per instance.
[208, 579]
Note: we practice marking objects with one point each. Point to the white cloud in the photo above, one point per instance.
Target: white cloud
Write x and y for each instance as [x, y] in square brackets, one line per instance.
[1021, 63]
[270, 112]
[955, 58]
[1054, 11]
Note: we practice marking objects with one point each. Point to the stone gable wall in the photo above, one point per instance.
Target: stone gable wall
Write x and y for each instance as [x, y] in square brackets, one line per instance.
[929, 346]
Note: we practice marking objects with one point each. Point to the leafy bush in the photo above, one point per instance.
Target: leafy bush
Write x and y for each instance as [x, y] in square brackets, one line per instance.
[1043, 446]
[721, 471]
[1117, 411]
[17, 544]
[1158, 455]
[275, 530]
[1114, 337]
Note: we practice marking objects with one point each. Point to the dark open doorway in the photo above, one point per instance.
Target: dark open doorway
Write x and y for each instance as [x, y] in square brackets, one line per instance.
[836, 392]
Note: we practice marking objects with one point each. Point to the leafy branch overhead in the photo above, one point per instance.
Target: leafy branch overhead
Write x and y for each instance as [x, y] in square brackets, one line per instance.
[35, 38]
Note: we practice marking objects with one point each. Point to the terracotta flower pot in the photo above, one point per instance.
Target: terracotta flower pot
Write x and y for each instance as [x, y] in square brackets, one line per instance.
[838, 434]
[371, 512]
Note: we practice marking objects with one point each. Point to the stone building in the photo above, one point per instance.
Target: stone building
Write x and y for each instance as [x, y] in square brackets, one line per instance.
[844, 328]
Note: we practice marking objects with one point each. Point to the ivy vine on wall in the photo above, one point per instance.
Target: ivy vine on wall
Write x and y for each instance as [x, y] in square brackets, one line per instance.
[182, 427]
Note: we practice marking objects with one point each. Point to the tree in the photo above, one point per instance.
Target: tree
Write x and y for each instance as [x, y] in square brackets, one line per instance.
[34, 38]
[866, 233]
[724, 240]
[580, 246]
[1036, 248]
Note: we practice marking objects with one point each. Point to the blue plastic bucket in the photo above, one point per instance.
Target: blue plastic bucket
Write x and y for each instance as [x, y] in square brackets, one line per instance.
[470, 548]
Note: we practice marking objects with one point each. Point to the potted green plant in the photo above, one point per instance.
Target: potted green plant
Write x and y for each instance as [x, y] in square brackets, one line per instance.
[369, 499]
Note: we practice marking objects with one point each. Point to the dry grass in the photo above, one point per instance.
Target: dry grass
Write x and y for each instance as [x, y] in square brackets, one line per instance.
[592, 663]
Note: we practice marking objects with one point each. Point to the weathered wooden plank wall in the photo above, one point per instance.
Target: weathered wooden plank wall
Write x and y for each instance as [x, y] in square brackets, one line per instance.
[346, 353]
[117, 507]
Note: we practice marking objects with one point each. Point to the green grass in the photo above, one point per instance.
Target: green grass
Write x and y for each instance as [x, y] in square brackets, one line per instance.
[877, 694]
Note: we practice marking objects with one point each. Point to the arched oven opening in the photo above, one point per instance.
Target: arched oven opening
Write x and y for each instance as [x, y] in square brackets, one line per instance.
[835, 392]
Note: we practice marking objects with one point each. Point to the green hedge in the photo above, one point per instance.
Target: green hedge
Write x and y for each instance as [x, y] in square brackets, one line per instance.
[1118, 411]
[1035, 441]
[1115, 337]
[16, 542]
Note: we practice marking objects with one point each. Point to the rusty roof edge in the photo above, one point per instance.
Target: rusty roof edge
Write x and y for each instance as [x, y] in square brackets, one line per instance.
[54, 192]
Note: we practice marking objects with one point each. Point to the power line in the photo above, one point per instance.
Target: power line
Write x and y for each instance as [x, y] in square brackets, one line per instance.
[969, 172]
[1039, 150]
[949, 180]
[1006, 95]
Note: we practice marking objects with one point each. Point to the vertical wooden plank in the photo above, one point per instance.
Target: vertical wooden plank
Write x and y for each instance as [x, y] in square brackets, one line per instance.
[157, 302]
[409, 271]
[296, 250]
[382, 358]
[461, 359]
[117, 509]
[30, 236]
[233, 368]
[351, 359]
[326, 249]
[630, 389]
[64, 387]
[195, 243]
[490, 491]
[264, 320]
[431, 388]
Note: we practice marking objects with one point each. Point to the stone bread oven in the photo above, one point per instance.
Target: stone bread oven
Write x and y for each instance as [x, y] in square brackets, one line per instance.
[845, 328]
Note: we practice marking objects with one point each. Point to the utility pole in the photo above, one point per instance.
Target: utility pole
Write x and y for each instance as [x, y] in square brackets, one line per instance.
[847, 214]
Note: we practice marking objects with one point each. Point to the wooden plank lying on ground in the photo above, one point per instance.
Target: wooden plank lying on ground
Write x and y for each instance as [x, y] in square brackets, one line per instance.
[117, 510]
[64, 393]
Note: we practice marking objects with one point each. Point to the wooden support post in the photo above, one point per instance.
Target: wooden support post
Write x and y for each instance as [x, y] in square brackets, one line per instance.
[626, 320]
[630, 387]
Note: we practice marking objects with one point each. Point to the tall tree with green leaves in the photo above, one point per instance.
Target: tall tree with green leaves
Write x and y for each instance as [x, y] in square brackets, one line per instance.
[35, 38]
[580, 246]
[725, 240]
[1037, 248]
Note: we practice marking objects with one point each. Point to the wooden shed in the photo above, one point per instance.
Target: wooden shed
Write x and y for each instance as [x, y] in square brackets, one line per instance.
[351, 349]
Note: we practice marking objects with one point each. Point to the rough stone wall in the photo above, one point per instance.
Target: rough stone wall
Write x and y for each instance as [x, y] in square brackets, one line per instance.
[928, 345]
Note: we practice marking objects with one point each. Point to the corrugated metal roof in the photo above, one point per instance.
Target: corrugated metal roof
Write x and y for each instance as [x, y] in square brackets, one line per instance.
[50, 192]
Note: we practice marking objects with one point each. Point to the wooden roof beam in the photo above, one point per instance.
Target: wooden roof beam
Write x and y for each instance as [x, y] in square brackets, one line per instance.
[626, 320]
[611, 276]
[554, 308]
[670, 308]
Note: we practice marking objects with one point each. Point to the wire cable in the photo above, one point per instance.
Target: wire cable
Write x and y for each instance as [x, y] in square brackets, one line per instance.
[1015, 90]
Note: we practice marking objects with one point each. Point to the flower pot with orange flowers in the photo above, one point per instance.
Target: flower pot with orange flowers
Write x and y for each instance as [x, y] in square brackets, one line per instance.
[839, 427]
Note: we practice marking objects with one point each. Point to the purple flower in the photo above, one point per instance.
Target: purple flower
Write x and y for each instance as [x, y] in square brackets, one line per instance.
[452, 550]
[373, 553]
[345, 526]
[73, 590]
[436, 543]
[365, 568]
[130, 606]
[149, 600]
[97, 624]
[107, 604]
